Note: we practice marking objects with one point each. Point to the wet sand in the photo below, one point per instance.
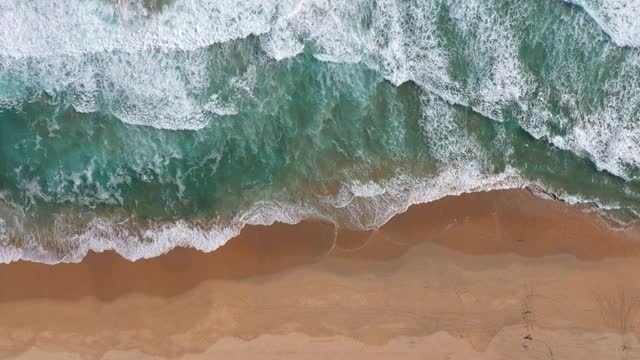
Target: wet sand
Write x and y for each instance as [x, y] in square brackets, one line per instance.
[495, 275]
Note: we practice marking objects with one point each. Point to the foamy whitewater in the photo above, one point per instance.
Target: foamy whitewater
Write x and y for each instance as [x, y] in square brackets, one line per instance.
[142, 125]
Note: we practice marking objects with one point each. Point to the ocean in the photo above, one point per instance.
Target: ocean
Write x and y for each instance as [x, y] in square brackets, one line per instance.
[140, 126]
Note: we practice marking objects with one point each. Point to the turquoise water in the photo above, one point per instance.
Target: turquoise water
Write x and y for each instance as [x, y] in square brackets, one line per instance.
[141, 126]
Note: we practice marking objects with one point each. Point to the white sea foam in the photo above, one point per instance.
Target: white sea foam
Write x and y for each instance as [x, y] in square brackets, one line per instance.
[607, 135]
[220, 107]
[440, 124]
[91, 55]
[328, 26]
[94, 55]
[498, 78]
[409, 49]
[45, 28]
[402, 42]
[147, 69]
[617, 18]
[163, 90]
[139, 95]
[4, 233]
[369, 206]
[357, 205]
[610, 136]
[612, 144]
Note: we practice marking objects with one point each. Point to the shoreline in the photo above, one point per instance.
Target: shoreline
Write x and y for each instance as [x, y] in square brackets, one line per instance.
[463, 273]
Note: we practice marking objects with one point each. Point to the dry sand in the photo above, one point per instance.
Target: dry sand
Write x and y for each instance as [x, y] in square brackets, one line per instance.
[496, 275]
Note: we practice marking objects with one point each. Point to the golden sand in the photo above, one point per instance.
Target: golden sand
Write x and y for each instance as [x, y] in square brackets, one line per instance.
[495, 275]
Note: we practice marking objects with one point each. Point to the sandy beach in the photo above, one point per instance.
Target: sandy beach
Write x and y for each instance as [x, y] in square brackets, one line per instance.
[492, 275]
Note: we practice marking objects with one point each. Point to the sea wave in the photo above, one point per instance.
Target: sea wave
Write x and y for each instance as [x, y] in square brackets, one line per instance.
[357, 206]
[617, 18]
[100, 58]
[96, 58]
